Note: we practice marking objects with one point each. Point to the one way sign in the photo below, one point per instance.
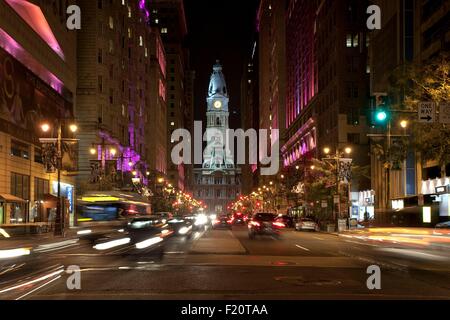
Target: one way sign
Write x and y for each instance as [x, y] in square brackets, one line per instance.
[427, 112]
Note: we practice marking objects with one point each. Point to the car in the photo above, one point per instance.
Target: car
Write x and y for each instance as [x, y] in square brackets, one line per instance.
[165, 216]
[239, 218]
[306, 224]
[181, 226]
[223, 222]
[264, 223]
[287, 220]
[443, 225]
[148, 233]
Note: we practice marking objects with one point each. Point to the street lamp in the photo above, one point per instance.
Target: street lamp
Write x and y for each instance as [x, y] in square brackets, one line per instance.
[404, 124]
[45, 127]
[338, 157]
[73, 128]
[92, 151]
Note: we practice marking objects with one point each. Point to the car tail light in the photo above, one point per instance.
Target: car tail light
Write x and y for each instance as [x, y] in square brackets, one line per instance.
[216, 221]
[255, 223]
[230, 220]
[278, 224]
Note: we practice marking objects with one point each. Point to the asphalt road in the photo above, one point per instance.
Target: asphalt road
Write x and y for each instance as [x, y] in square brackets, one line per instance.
[300, 265]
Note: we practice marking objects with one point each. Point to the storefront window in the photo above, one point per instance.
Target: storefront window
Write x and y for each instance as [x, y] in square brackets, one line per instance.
[20, 186]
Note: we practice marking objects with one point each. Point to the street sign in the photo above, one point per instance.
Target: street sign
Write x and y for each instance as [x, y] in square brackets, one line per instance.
[444, 113]
[427, 112]
[324, 203]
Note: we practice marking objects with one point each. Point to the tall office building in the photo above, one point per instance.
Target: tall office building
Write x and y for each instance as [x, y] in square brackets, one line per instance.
[169, 17]
[120, 65]
[272, 69]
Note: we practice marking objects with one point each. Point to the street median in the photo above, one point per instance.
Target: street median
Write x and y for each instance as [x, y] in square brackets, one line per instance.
[218, 242]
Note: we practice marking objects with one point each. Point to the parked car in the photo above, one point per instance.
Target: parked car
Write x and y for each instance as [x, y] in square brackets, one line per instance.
[287, 220]
[306, 224]
[264, 224]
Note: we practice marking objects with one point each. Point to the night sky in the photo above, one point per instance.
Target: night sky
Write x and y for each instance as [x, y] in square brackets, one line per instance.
[220, 30]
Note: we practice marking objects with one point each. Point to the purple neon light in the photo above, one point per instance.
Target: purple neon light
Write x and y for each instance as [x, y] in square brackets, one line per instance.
[34, 17]
[24, 57]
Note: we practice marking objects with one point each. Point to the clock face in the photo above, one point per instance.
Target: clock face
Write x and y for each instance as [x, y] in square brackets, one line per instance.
[217, 104]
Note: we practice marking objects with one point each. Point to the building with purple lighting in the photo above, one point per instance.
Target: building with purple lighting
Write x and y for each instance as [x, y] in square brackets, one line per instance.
[121, 97]
[37, 84]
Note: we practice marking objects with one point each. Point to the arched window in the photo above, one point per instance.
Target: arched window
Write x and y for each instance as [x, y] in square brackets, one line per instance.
[218, 122]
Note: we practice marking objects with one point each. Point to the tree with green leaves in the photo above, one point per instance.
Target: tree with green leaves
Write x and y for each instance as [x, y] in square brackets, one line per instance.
[429, 81]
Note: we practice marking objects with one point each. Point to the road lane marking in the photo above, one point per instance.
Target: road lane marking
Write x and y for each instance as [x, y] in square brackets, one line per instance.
[361, 243]
[318, 238]
[303, 248]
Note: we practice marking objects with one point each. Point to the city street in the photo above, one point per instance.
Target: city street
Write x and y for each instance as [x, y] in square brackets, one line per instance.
[222, 264]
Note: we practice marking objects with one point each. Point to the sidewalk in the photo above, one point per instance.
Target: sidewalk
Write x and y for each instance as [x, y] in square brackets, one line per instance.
[218, 242]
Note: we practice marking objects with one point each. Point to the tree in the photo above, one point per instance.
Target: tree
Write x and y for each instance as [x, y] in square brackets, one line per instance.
[429, 81]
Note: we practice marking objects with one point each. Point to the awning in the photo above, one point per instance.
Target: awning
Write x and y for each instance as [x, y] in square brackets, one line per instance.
[9, 198]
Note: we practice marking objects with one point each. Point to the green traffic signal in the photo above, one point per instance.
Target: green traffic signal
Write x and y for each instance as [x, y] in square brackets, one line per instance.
[381, 116]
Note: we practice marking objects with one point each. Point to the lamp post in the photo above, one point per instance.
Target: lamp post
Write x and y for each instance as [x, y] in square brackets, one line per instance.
[45, 127]
[338, 157]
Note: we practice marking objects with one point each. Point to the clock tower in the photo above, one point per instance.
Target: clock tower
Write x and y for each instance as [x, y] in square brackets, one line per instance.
[217, 182]
[217, 122]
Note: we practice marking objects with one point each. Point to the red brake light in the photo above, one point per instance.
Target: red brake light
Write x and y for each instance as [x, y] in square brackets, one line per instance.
[230, 220]
[255, 223]
[216, 221]
[279, 224]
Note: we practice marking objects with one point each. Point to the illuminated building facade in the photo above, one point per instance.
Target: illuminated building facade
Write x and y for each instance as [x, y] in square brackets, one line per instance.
[272, 67]
[37, 85]
[217, 183]
[169, 17]
[301, 83]
[121, 96]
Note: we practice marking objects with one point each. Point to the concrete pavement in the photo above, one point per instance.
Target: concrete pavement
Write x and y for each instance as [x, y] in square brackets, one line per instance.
[218, 242]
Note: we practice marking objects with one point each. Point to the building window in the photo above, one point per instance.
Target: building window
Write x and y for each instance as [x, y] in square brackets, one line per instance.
[111, 47]
[111, 23]
[20, 186]
[100, 56]
[129, 33]
[20, 150]
[100, 4]
[353, 138]
[38, 155]
[352, 41]
[349, 40]
[141, 41]
[164, 30]
[100, 84]
[41, 188]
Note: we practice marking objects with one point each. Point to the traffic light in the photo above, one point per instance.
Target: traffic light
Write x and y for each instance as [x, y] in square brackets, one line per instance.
[380, 110]
[381, 116]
